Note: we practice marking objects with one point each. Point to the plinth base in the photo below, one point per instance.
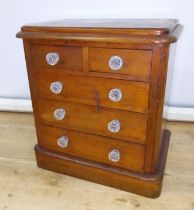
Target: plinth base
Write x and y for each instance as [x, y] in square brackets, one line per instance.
[148, 185]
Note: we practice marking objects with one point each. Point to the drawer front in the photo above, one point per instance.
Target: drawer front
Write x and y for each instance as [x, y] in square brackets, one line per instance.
[92, 147]
[124, 125]
[124, 95]
[120, 61]
[56, 57]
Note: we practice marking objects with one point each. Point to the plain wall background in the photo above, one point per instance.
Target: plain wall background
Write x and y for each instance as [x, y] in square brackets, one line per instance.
[14, 14]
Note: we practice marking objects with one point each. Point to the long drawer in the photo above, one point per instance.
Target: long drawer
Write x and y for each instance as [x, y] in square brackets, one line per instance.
[113, 123]
[92, 147]
[111, 93]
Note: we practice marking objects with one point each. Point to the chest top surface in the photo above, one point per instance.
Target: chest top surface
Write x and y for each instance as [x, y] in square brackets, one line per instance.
[129, 26]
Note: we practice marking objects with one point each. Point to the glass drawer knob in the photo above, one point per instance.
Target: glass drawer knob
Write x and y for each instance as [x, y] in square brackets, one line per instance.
[115, 95]
[59, 114]
[115, 63]
[114, 126]
[52, 58]
[56, 87]
[62, 141]
[114, 155]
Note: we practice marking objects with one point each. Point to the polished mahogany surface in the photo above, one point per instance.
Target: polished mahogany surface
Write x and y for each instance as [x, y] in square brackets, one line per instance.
[97, 90]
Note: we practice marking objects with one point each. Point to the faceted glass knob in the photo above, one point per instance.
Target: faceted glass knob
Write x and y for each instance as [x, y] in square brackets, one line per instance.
[114, 126]
[114, 155]
[62, 141]
[56, 87]
[52, 58]
[59, 114]
[115, 95]
[115, 63]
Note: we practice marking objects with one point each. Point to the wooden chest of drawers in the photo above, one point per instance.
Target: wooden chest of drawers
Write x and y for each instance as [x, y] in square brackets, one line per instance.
[97, 90]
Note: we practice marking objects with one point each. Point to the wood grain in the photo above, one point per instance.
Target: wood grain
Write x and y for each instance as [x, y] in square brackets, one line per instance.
[135, 62]
[85, 59]
[108, 26]
[94, 119]
[69, 57]
[92, 147]
[153, 105]
[148, 185]
[86, 90]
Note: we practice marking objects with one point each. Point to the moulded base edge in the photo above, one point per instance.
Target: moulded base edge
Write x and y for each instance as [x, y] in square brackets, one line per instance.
[148, 185]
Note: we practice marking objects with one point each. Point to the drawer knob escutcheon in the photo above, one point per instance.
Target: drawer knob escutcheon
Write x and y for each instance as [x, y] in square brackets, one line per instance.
[59, 114]
[114, 126]
[62, 141]
[114, 155]
[115, 95]
[115, 63]
[56, 87]
[52, 58]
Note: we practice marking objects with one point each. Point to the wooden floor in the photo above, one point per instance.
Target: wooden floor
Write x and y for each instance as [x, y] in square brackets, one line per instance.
[23, 186]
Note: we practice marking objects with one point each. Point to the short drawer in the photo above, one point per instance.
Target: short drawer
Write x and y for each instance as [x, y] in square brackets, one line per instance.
[92, 147]
[56, 57]
[120, 61]
[124, 125]
[111, 93]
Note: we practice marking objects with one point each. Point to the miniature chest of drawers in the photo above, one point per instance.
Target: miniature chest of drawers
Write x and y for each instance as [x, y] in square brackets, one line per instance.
[97, 89]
